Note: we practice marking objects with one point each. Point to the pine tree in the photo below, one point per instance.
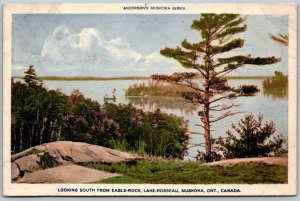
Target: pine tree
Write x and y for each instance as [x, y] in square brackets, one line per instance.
[210, 65]
[31, 78]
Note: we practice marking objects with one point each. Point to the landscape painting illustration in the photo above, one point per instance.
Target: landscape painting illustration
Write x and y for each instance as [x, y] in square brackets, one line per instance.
[162, 99]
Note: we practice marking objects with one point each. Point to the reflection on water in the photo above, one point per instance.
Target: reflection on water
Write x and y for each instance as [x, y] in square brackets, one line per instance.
[152, 103]
[276, 86]
[275, 93]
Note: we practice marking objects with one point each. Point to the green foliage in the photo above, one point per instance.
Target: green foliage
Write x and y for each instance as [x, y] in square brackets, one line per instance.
[203, 157]
[253, 139]
[47, 161]
[87, 122]
[140, 132]
[31, 78]
[121, 180]
[157, 171]
[248, 90]
[37, 115]
[41, 116]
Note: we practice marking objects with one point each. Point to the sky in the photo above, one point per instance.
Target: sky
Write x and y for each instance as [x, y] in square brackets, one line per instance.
[109, 45]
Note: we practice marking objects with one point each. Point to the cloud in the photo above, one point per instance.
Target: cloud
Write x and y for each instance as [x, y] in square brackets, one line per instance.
[87, 52]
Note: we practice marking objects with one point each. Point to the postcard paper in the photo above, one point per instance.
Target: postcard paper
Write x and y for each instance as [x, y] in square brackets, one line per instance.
[149, 99]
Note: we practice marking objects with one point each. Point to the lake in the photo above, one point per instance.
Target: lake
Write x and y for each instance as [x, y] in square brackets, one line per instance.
[274, 107]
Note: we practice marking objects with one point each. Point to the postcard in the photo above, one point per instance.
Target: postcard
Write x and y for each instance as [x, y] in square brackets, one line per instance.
[158, 99]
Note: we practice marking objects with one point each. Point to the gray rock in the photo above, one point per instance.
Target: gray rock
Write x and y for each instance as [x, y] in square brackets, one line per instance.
[14, 171]
[28, 162]
[66, 174]
[78, 152]
[68, 154]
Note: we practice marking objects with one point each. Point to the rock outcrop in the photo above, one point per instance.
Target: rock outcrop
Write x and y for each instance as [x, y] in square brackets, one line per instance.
[263, 160]
[78, 152]
[26, 166]
[66, 174]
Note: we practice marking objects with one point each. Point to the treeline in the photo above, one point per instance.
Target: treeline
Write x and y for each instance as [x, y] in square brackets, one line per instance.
[40, 116]
[87, 78]
[279, 80]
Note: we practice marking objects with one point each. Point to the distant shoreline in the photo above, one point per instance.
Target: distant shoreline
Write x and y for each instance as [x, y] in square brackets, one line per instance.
[77, 78]
[58, 78]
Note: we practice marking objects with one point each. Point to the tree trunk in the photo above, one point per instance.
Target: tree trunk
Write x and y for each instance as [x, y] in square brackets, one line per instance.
[14, 139]
[36, 134]
[32, 137]
[59, 132]
[206, 102]
[42, 130]
[21, 139]
[207, 129]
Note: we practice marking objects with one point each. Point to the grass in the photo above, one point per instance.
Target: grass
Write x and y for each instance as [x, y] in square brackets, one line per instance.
[178, 172]
[121, 180]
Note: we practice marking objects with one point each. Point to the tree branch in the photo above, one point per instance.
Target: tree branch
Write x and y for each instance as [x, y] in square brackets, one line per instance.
[202, 73]
[196, 145]
[227, 114]
[230, 96]
[195, 133]
[222, 107]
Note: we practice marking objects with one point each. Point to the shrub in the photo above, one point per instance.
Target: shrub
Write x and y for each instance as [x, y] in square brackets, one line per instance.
[47, 161]
[155, 133]
[253, 139]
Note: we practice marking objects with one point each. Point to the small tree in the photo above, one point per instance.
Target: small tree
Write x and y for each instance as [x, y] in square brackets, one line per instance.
[207, 58]
[31, 78]
[253, 139]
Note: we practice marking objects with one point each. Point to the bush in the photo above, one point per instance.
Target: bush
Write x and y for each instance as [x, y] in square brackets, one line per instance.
[155, 133]
[253, 140]
[47, 161]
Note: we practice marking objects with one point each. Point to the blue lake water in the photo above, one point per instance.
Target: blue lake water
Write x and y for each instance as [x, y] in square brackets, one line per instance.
[273, 108]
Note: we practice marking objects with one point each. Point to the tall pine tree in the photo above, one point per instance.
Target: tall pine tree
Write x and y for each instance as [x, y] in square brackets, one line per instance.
[211, 65]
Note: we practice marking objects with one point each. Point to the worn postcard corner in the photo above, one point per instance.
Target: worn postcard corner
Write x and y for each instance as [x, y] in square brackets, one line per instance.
[152, 99]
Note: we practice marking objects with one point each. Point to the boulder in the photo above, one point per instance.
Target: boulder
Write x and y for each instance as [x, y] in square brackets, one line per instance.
[65, 153]
[78, 152]
[66, 174]
[14, 171]
[262, 160]
[28, 162]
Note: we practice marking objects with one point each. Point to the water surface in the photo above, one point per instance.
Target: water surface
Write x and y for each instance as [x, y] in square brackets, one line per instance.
[273, 107]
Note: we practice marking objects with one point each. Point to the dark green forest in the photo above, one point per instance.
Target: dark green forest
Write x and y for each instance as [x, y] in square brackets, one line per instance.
[40, 116]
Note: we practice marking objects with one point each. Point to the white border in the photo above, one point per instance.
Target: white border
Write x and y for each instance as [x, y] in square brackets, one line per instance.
[12, 189]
